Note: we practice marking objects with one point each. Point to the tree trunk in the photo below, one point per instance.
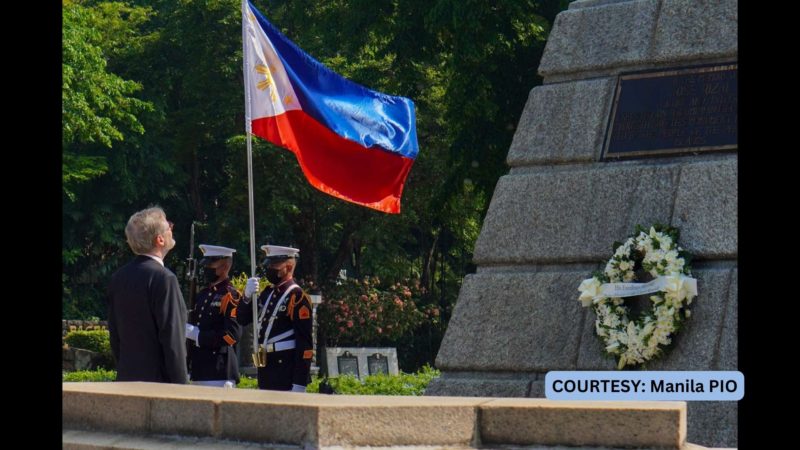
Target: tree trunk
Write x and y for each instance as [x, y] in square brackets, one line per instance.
[304, 227]
[357, 256]
[194, 186]
[345, 248]
[426, 280]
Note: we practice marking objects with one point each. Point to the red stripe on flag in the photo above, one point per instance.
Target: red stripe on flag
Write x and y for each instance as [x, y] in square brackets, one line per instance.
[370, 177]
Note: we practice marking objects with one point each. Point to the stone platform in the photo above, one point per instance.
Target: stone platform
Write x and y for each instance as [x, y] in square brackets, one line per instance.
[155, 415]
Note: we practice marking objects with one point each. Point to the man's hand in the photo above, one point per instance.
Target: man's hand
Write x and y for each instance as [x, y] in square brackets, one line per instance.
[298, 388]
[250, 288]
[192, 332]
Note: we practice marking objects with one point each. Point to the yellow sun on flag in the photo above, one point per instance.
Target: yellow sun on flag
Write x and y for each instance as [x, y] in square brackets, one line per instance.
[267, 82]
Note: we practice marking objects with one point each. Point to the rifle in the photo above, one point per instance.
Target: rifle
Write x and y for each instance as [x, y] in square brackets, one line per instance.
[191, 273]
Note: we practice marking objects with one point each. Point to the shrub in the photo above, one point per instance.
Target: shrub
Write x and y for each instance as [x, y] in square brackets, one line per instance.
[403, 384]
[364, 312]
[247, 383]
[381, 384]
[90, 375]
[94, 340]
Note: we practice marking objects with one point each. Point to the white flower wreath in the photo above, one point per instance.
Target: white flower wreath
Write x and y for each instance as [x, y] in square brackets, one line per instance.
[656, 251]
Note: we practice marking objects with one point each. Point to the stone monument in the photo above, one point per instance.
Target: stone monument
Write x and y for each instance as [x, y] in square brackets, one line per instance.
[635, 124]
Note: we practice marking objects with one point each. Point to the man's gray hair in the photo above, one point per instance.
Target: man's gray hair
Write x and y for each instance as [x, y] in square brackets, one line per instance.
[143, 227]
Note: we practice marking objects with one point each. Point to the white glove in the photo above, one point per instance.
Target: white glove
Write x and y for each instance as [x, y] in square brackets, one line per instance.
[298, 388]
[192, 332]
[250, 288]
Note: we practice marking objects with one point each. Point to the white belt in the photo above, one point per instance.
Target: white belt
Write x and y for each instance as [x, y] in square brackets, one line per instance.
[280, 337]
[280, 346]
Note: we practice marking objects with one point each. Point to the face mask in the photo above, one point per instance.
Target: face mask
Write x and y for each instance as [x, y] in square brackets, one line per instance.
[209, 275]
[272, 275]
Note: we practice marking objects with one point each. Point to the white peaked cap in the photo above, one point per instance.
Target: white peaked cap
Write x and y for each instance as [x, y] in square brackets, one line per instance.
[277, 251]
[216, 250]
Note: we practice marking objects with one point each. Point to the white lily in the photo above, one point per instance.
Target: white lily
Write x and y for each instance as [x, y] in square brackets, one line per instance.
[589, 288]
[648, 328]
[680, 286]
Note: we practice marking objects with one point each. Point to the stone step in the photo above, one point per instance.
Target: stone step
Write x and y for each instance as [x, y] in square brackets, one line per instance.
[89, 440]
[94, 440]
[317, 420]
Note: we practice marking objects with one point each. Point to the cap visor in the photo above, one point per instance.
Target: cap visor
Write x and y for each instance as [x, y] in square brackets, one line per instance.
[210, 259]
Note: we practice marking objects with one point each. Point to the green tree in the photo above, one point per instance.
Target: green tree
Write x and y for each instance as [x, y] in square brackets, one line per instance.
[103, 126]
[98, 106]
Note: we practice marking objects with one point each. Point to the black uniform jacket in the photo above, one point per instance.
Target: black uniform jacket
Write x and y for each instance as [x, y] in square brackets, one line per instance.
[214, 355]
[146, 321]
[295, 314]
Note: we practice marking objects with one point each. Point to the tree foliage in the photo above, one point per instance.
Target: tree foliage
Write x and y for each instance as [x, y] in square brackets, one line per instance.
[99, 107]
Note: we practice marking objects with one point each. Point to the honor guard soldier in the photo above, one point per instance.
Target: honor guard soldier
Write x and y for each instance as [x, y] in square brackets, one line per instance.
[285, 323]
[214, 327]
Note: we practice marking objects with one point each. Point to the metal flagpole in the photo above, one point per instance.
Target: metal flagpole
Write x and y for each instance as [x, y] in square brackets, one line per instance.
[249, 129]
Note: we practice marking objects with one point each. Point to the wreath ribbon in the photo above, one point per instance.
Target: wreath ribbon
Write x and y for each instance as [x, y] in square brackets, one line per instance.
[679, 284]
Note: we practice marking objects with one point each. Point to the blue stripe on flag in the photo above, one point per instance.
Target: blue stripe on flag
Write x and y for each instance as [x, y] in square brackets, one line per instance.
[350, 110]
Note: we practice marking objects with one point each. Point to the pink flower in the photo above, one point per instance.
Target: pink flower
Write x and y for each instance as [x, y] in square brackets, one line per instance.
[380, 330]
[349, 324]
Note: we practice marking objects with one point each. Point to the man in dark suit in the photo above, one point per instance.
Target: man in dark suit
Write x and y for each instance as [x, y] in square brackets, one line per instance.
[146, 312]
[213, 328]
[285, 319]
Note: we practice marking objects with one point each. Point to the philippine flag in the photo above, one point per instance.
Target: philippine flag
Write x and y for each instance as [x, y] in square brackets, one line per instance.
[351, 142]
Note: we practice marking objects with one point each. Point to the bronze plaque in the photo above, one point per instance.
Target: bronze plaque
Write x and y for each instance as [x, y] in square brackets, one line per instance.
[377, 363]
[348, 364]
[674, 111]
